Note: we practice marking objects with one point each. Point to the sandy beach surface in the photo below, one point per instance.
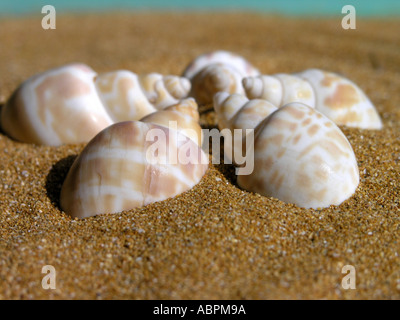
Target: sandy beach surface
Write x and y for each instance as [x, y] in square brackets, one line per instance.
[215, 241]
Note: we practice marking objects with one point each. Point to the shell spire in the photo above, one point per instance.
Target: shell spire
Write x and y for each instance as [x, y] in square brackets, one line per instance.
[128, 96]
[338, 98]
[183, 116]
[71, 104]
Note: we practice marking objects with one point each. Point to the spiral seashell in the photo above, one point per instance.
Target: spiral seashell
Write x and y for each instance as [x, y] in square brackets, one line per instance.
[163, 91]
[120, 169]
[235, 111]
[55, 107]
[300, 156]
[217, 71]
[183, 115]
[123, 96]
[71, 104]
[222, 57]
[128, 96]
[338, 98]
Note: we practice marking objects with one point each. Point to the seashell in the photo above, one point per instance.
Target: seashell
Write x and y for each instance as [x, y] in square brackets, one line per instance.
[217, 71]
[128, 96]
[71, 104]
[222, 57]
[215, 78]
[235, 111]
[55, 107]
[338, 98]
[163, 91]
[119, 170]
[123, 96]
[183, 116]
[301, 157]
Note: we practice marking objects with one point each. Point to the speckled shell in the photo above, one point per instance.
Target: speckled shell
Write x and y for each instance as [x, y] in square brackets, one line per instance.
[184, 115]
[215, 72]
[56, 107]
[341, 100]
[336, 97]
[302, 157]
[114, 172]
[128, 96]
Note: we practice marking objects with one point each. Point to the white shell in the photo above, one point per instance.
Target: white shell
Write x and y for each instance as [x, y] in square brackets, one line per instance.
[235, 111]
[280, 89]
[128, 96]
[117, 170]
[71, 104]
[122, 95]
[302, 157]
[163, 91]
[336, 97]
[217, 71]
[55, 107]
[222, 57]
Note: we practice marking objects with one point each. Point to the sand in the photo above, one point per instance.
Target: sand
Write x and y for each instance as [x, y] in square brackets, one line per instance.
[215, 241]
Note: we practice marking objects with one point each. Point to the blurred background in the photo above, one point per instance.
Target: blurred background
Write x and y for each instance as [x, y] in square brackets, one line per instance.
[288, 7]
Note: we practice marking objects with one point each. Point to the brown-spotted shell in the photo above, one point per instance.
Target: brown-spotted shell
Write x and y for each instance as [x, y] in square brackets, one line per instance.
[301, 157]
[340, 99]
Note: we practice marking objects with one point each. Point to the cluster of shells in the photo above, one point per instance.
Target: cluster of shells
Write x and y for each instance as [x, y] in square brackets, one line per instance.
[300, 155]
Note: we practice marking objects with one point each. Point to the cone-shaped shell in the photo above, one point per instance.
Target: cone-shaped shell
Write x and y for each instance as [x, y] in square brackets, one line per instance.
[183, 117]
[280, 89]
[163, 91]
[128, 96]
[302, 157]
[56, 107]
[128, 165]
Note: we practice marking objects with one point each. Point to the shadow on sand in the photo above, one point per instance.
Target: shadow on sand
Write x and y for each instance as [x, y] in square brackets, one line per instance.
[56, 177]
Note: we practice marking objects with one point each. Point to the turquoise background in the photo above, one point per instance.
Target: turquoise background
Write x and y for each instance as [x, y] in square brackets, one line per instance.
[288, 7]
